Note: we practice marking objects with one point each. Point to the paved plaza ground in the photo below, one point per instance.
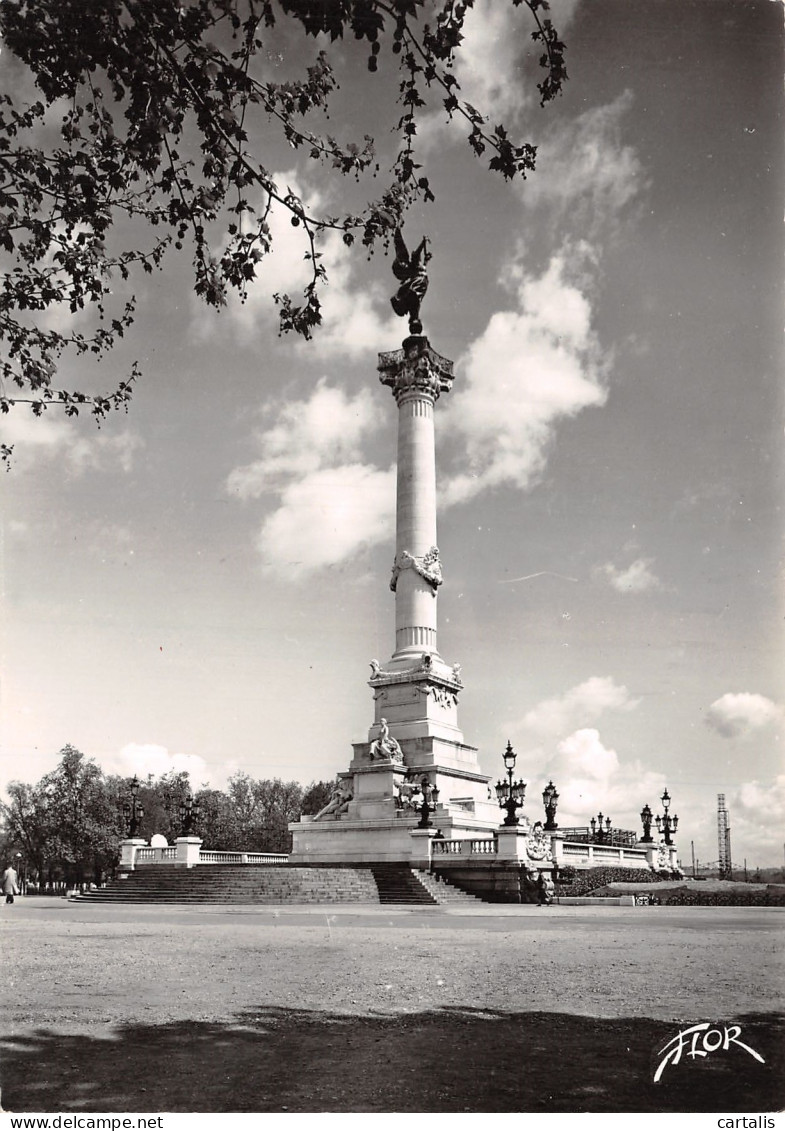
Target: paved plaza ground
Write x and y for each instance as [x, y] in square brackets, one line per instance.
[358, 1008]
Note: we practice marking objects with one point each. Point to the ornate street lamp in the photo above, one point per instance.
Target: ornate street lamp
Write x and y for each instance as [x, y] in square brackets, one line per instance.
[666, 824]
[646, 818]
[430, 799]
[132, 810]
[550, 799]
[510, 794]
[600, 832]
[189, 814]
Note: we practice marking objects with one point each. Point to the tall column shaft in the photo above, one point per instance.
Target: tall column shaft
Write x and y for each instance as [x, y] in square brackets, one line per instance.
[415, 598]
[417, 375]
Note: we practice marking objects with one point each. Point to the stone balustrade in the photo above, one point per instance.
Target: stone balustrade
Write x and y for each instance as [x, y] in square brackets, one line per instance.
[579, 854]
[219, 857]
[481, 846]
[149, 855]
[583, 852]
[188, 852]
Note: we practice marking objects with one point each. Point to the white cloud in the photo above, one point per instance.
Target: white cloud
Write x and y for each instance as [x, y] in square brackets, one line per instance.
[77, 449]
[736, 715]
[591, 779]
[143, 758]
[756, 812]
[531, 367]
[327, 516]
[330, 504]
[103, 451]
[490, 68]
[490, 61]
[585, 175]
[356, 317]
[325, 429]
[582, 704]
[634, 578]
[584, 756]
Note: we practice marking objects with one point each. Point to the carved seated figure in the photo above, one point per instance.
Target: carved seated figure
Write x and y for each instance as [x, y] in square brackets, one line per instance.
[340, 797]
[385, 747]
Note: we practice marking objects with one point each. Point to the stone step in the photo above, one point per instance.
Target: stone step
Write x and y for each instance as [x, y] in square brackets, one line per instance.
[400, 884]
[443, 891]
[239, 884]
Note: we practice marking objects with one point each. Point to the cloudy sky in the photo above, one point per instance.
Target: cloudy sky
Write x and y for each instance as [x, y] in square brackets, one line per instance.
[202, 583]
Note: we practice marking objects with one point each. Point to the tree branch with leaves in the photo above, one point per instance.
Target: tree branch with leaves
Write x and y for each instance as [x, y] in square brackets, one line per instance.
[142, 129]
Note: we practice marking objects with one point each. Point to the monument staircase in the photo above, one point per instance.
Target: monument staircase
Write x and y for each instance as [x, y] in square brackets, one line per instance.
[277, 884]
[444, 891]
[245, 883]
[397, 883]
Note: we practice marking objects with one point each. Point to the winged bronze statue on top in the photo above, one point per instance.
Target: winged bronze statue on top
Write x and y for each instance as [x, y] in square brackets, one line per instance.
[410, 270]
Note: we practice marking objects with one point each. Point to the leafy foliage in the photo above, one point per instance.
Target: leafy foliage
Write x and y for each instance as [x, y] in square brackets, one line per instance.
[139, 140]
[316, 796]
[66, 824]
[70, 823]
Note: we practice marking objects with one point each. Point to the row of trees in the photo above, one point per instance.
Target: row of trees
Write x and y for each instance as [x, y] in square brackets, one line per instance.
[68, 826]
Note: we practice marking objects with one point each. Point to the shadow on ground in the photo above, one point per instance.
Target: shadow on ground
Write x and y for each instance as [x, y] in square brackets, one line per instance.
[439, 1061]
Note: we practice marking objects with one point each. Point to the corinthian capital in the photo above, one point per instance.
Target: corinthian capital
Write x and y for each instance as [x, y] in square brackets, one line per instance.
[416, 369]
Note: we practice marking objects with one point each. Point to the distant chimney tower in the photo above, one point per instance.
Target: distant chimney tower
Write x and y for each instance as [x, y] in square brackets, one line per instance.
[723, 839]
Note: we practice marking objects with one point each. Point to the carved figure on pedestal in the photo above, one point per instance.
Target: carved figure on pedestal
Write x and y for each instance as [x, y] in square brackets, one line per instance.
[410, 270]
[538, 843]
[385, 747]
[340, 797]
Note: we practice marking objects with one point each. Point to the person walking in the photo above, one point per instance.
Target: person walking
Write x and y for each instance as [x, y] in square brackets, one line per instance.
[10, 885]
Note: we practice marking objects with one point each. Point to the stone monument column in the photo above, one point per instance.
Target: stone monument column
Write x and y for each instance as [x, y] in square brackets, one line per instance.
[414, 743]
[417, 375]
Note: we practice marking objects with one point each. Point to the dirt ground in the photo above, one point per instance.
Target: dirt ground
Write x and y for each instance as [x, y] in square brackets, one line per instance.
[364, 1009]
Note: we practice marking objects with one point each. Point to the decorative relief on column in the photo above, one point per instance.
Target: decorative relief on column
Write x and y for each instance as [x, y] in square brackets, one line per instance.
[429, 567]
[442, 696]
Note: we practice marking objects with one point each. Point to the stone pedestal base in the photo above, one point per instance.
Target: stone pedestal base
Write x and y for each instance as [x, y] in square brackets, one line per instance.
[395, 838]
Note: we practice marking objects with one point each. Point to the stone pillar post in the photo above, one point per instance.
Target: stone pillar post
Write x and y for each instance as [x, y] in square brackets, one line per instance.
[128, 850]
[512, 845]
[187, 850]
[417, 376]
[421, 848]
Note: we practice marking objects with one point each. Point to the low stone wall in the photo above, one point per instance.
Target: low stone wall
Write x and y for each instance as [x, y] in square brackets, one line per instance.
[491, 882]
